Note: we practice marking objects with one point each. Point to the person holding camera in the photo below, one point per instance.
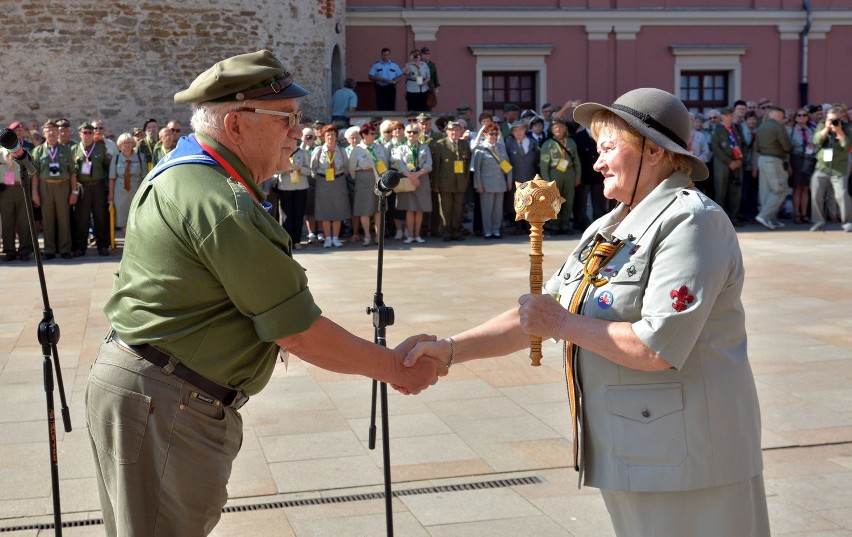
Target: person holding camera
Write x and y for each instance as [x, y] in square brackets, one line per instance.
[831, 140]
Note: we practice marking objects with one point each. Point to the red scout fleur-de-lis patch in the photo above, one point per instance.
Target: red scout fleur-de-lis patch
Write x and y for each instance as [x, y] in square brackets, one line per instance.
[682, 298]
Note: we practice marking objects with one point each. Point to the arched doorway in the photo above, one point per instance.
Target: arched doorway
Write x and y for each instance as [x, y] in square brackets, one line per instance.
[336, 69]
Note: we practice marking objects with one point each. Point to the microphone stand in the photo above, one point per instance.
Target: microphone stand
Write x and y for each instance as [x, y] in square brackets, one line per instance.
[48, 337]
[382, 318]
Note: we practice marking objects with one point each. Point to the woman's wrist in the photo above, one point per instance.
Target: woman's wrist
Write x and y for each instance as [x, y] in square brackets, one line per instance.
[452, 358]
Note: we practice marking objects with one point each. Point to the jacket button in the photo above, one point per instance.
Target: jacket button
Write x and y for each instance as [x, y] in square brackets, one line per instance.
[646, 414]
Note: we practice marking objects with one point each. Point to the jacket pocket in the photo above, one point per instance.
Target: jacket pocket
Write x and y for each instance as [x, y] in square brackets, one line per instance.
[117, 419]
[648, 423]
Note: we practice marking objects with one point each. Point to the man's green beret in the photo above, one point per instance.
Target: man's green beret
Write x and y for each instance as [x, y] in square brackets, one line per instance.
[258, 75]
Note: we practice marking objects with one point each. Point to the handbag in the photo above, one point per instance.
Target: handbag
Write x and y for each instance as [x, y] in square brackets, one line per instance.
[405, 185]
[431, 99]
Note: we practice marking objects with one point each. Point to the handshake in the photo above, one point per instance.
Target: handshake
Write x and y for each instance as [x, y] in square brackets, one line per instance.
[418, 363]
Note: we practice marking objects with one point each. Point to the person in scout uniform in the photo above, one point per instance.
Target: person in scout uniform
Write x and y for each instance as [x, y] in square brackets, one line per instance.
[560, 162]
[450, 166]
[196, 327]
[492, 178]
[146, 145]
[664, 408]
[727, 144]
[165, 144]
[414, 161]
[92, 164]
[13, 209]
[367, 162]
[54, 189]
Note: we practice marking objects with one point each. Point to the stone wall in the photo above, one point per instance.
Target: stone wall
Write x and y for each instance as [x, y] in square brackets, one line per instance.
[124, 62]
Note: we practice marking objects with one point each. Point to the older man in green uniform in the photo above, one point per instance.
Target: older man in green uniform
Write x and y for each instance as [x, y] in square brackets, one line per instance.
[560, 162]
[196, 325]
[54, 189]
[92, 164]
[451, 162]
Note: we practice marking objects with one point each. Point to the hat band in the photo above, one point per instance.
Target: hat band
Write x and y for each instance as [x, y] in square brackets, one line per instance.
[276, 86]
[651, 122]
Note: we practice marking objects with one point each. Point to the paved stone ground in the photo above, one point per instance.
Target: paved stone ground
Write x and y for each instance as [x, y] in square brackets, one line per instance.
[306, 434]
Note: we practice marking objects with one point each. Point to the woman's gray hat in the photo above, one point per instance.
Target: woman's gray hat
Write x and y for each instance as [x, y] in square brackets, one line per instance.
[657, 115]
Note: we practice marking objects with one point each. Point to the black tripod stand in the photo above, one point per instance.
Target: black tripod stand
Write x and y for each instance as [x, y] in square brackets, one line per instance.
[382, 318]
[48, 330]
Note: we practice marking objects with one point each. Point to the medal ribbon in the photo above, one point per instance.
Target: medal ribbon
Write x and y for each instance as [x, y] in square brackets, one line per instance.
[602, 253]
[228, 168]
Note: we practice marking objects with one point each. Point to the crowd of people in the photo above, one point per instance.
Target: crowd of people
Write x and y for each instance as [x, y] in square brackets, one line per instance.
[760, 155]
[457, 169]
[82, 188]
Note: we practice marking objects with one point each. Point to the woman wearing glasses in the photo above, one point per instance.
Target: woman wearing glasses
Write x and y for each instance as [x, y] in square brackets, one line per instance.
[329, 164]
[416, 82]
[802, 160]
[367, 161]
[414, 160]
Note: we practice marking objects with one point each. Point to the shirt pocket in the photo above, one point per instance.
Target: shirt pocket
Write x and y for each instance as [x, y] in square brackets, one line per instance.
[620, 299]
[648, 427]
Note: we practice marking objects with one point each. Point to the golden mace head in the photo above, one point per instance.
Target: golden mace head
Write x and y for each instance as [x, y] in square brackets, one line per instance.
[537, 200]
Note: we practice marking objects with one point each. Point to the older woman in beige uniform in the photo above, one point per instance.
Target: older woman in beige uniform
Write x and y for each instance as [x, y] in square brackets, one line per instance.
[664, 407]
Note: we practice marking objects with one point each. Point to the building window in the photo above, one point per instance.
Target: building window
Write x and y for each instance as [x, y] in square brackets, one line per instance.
[704, 89]
[499, 88]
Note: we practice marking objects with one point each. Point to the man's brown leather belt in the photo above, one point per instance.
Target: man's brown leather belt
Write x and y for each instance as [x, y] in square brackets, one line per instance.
[228, 396]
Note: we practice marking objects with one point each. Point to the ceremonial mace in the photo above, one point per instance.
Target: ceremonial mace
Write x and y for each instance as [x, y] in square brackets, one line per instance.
[536, 201]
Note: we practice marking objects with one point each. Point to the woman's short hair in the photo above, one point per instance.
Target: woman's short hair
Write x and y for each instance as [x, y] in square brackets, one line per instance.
[125, 137]
[327, 129]
[366, 128]
[491, 129]
[605, 120]
[351, 131]
[396, 125]
[385, 127]
[485, 115]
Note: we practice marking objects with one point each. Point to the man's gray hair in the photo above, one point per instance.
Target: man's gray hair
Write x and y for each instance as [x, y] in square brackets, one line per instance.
[207, 118]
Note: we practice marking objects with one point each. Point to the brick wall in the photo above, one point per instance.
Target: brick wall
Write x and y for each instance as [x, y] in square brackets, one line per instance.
[124, 62]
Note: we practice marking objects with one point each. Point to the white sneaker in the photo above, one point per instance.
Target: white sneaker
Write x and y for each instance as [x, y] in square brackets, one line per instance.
[336, 242]
[847, 227]
[320, 237]
[326, 243]
[819, 226]
[764, 222]
[777, 224]
[312, 238]
[408, 240]
[419, 240]
[398, 235]
[366, 241]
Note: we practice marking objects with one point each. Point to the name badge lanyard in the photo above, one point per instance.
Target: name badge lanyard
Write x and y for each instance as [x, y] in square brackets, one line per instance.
[87, 166]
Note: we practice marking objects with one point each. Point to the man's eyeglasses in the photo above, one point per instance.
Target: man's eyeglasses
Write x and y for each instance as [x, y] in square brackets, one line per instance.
[412, 132]
[412, 120]
[309, 137]
[764, 107]
[99, 128]
[294, 118]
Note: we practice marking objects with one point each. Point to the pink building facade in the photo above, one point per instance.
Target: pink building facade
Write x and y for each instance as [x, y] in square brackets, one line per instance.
[710, 53]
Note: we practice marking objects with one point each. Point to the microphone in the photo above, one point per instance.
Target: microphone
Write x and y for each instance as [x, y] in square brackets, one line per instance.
[388, 181]
[9, 140]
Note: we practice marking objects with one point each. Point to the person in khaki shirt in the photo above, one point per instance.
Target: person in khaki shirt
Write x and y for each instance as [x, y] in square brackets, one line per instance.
[196, 325]
[54, 189]
[664, 407]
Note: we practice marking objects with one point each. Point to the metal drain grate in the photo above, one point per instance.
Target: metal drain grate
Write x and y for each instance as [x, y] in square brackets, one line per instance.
[478, 485]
